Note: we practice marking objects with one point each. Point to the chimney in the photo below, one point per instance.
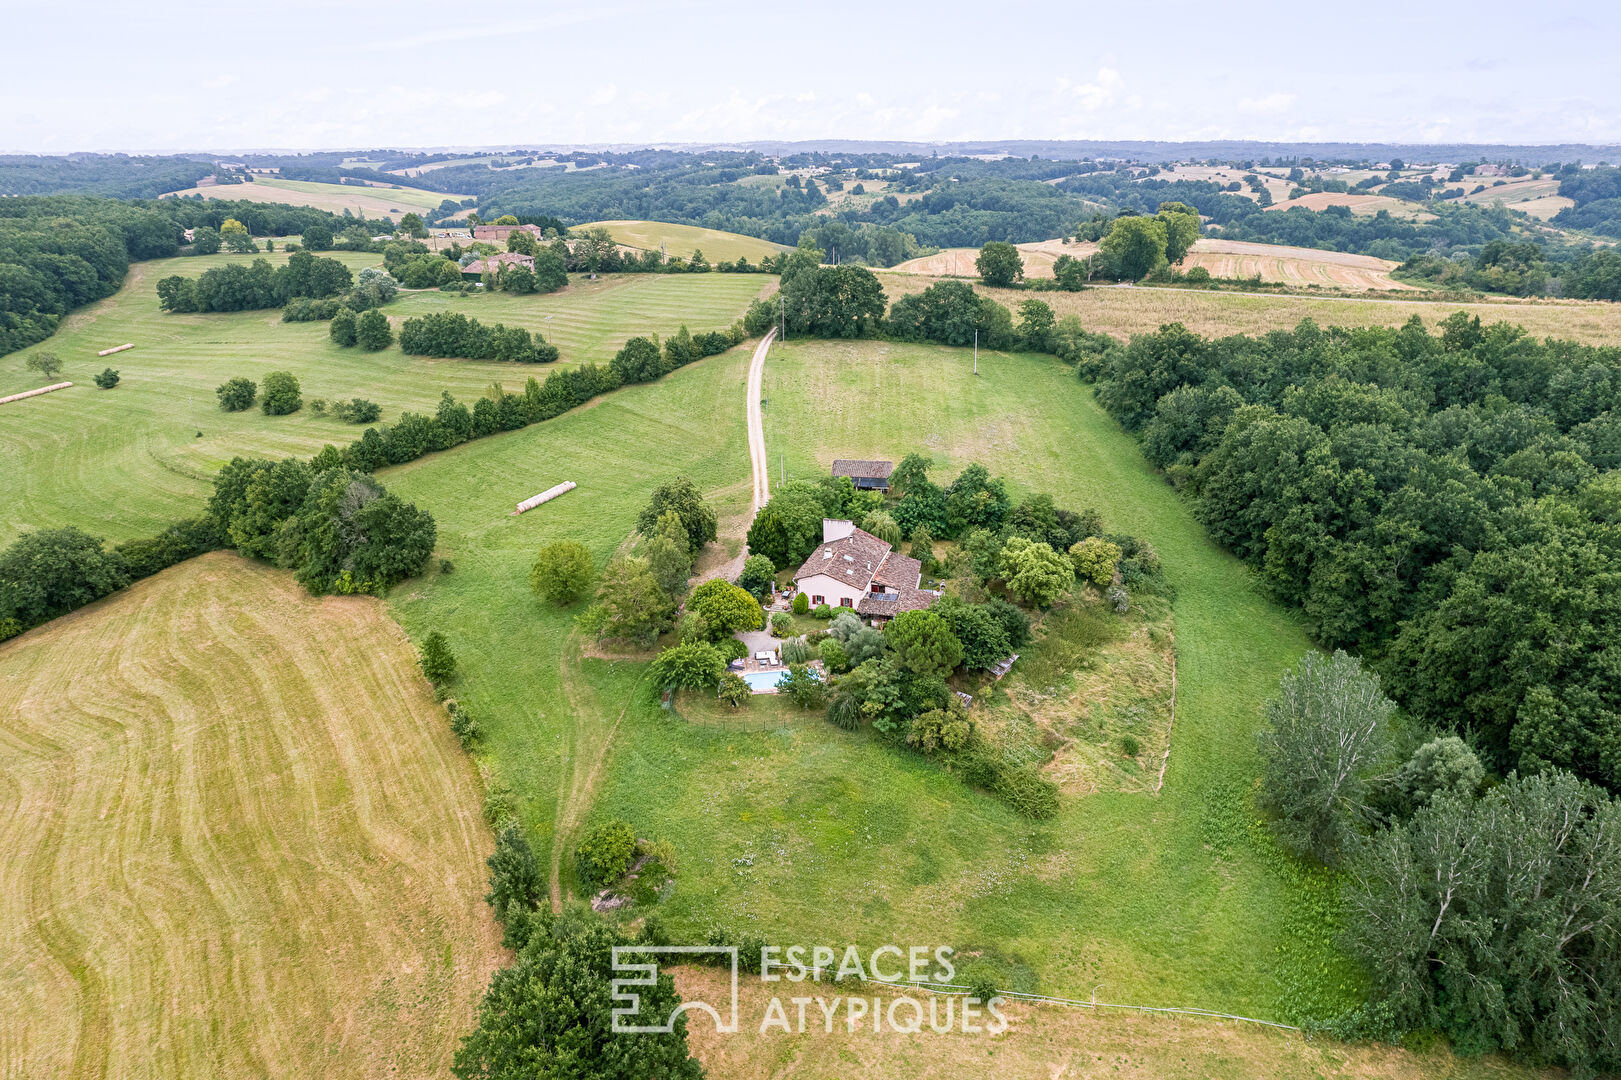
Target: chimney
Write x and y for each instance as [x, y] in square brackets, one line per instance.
[836, 529]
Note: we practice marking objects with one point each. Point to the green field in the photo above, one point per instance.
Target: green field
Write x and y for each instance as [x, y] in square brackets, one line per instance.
[124, 462]
[812, 835]
[683, 240]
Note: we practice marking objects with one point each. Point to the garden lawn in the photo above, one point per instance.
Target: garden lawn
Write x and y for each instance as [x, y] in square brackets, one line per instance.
[126, 462]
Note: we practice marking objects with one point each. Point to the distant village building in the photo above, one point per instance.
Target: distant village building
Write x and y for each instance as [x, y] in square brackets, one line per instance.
[494, 263]
[499, 233]
[866, 475]
[1491, 170]
[854, 569]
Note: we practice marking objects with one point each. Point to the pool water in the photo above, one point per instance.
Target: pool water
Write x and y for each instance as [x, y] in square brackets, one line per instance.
[767, 680]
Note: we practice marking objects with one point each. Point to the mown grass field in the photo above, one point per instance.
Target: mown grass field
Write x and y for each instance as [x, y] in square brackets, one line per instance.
[238, 840]
[807, 834]
[363, 199]
[1124, 311]
[683, 240]
[127, 461]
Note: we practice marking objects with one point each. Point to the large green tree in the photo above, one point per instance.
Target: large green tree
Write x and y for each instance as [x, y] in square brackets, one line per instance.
[922, 643]
[1135, 247]
[562, 572]
[999, 264]
[681, 497]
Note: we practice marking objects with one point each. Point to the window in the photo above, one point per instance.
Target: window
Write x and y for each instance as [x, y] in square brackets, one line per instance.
[815, 600]
[846, 602]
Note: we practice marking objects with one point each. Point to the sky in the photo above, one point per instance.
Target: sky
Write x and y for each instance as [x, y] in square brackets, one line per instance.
[301, 74]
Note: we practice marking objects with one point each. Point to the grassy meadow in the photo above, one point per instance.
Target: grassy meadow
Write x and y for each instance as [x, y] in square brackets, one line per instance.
[239, 839]
[808, 834]
[683, 240]
[125, 462]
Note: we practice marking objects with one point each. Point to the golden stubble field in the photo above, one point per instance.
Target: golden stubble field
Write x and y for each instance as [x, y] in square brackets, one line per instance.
[239, 840]
[1128, 310]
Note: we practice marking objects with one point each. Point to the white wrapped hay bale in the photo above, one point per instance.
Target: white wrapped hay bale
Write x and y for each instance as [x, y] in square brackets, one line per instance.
[545, 496]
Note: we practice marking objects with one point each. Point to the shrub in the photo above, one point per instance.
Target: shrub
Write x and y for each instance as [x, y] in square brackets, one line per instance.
[834, 658]
[1197, 276]
[796, 651]
[562, 572]
[604, 854]
[237, 395]
[822, 611]
[733, 690]
[757, 575]
[107, 379]
[1095, 560]
[357, 411]
[802, 604]
[446, 566]
[462, 723]
[1129, 746]
[438, 662]
[515, 876]
[781, 623]
[688, 666]
[343, 329]
[281, 395]
[372, 331]
[801, 687]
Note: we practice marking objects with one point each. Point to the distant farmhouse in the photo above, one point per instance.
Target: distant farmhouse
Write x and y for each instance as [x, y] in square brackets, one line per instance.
[502, 232]
[854, 569]
[493, 264]
[867, 475]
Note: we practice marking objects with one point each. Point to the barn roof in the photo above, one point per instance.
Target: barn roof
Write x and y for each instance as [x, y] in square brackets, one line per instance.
[866, 470]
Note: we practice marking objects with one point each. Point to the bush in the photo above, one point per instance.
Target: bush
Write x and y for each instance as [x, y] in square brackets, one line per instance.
[604, 854]
[691, 665]
[304, 309]
[1197, 276]
[237, 395]
[796, 651]
[372, 331]
[462, 723]
[107, 379]
[562, 572]
[1129, 745]
[781, 623]
[758, 574]
[834, 658]
[802, 604]
[343, 329]
[801, 687]
[438, 662]
[733, 690]
[822, 611]
[357, 411]
[281, 395]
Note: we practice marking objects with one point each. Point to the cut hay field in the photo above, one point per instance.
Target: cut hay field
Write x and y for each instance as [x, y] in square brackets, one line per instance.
[364, 199]
[239, 840]
[1042, 1042]
[1127, 310]
[1292, 265]
[126, 462]
[683, 240]
[1038, 256]
[1539, 198]
[1359, 204]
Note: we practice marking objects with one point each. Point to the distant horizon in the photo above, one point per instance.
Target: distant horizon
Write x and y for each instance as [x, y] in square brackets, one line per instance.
[650, 72]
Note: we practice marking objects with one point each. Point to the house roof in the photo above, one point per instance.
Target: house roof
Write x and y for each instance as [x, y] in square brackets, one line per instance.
[495, 262]
[852, 559]
[866, 470]
[889, 605]
[898, 571]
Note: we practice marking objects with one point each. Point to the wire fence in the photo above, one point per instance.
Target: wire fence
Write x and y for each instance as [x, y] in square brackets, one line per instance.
[954, 989]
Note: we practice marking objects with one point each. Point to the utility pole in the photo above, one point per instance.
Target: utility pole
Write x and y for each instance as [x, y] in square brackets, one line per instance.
[976, 352]
[782, 468]
[782, 318]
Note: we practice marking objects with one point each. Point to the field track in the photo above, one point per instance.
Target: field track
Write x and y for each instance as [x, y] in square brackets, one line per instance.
[239, 840]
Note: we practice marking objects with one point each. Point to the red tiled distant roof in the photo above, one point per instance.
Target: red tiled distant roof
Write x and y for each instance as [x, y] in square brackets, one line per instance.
[495, 262]
[501, 232]
[889, 605]
[866, 470]
[898, 571]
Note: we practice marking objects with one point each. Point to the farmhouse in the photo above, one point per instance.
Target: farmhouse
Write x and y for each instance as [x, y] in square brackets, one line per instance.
[867, 475]
[501, 232]
[495, 263]
[854, 569]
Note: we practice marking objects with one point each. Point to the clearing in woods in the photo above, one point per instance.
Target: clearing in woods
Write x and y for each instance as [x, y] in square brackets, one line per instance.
[129, 461]
[683, 240]
[372, 202]
[1359, 204]
[239, 839]
[1539, 198]
[1292, 265]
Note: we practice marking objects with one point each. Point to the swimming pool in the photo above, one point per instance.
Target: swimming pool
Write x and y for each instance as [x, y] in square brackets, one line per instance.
[760, 681]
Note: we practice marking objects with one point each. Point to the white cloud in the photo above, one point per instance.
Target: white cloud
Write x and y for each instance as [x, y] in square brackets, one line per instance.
[1271, 103]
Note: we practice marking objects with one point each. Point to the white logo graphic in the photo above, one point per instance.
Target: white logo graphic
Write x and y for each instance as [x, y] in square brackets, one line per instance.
[647, 974]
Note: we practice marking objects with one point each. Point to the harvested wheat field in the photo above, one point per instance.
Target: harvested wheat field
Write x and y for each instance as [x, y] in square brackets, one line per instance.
[1539, 198]
[365, 199]
[1038, 255]
[1126, 310]
[1292, 265]
[239, 840]
[1359, 204]
[1042, 1042]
